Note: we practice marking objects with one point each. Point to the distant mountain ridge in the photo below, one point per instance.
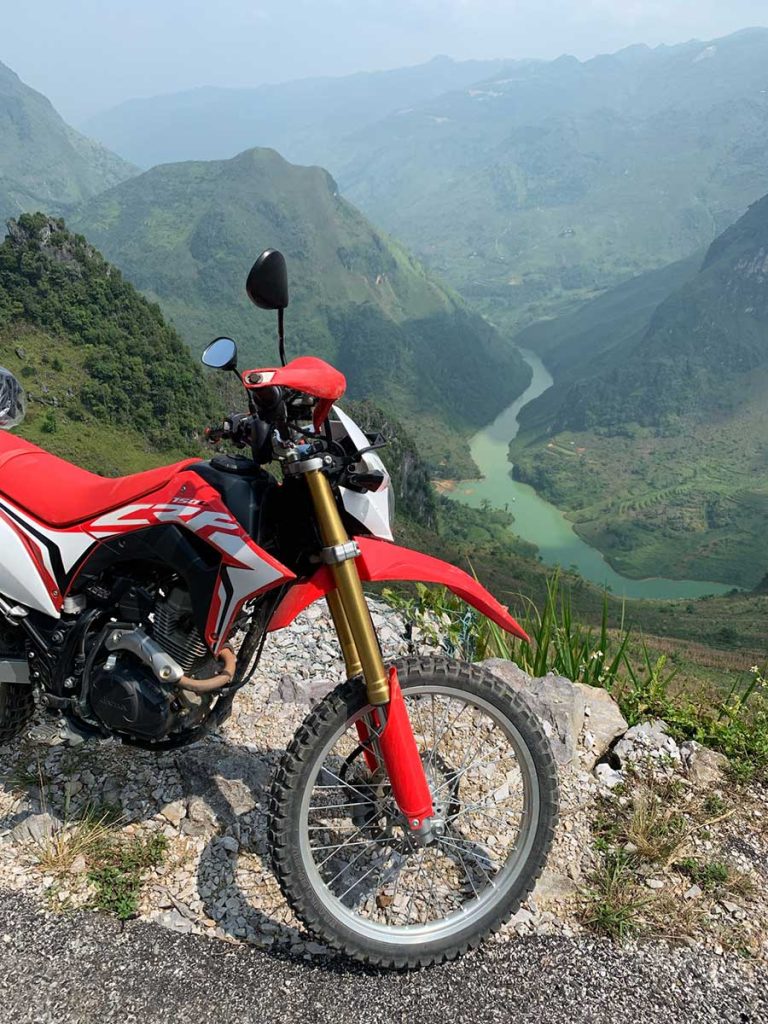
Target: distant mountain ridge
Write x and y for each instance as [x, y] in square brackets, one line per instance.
[186, 234]
[301, 119]
[560, 178]
[45, 164]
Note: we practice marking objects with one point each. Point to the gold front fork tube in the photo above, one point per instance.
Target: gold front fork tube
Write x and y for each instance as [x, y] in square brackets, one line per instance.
[344, 633]
[356, 633]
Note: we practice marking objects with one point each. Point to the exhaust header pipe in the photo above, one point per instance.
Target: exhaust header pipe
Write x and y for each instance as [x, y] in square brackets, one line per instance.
[165, 668]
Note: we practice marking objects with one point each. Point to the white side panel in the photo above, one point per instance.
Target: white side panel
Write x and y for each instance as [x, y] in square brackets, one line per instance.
[254, 575]
[71, 545]
[19, 578]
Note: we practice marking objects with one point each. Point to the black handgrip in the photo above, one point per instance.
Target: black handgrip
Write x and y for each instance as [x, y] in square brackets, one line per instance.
[268, 400]
[234, 428]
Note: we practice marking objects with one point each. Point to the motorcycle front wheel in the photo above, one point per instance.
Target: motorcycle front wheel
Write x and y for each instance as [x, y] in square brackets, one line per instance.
[346, 861]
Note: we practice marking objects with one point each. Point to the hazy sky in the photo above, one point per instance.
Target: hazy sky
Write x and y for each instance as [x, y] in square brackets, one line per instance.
[87, 55]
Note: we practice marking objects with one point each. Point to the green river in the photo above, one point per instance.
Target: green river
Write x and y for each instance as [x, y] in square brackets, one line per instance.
[539, 522]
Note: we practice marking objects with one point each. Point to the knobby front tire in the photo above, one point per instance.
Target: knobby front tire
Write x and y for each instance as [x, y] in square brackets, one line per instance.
[348, 868]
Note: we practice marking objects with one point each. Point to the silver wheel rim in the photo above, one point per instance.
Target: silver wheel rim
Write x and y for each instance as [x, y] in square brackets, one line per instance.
[485, 880]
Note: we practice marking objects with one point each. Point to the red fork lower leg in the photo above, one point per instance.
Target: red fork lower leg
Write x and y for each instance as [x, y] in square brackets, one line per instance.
[402, 760]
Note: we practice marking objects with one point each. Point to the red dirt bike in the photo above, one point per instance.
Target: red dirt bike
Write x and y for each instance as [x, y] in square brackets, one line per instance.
[414, 809]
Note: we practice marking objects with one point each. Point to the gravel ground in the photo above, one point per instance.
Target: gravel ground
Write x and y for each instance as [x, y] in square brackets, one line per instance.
[229, 949]
[85, 967]
[209, 802]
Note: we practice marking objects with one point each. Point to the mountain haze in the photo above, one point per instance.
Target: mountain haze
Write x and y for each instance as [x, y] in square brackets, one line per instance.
[529, 185]
[45, 164]
[559, 178]
[302, 119]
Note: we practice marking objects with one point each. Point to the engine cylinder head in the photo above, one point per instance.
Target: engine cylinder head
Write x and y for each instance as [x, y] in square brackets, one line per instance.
[175, 631]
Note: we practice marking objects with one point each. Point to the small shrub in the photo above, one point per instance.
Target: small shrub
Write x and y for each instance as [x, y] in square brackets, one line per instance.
[82, 837]
[715, 876]
[613, 902]
[49, 423]
[118, 866]
[709, 876]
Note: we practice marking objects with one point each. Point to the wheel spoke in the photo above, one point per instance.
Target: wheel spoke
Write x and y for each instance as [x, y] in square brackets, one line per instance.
[346, 843]
[362, 877]
[481, 809]
[438, 739]
[341, 782]
[462, 851]
[413, 891]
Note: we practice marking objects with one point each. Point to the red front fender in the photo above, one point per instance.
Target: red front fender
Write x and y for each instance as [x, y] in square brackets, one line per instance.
[380, 560]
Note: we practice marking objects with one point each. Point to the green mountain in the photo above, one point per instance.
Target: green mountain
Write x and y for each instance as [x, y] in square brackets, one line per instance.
[585, 343]
[110, 385]
[533, 189]
[45, 164]
[660, 450]
[700, 348]
[303, 120]
[113, 388]
[186, 234]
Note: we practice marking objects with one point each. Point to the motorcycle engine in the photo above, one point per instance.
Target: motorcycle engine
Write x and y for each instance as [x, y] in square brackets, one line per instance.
[126, 696]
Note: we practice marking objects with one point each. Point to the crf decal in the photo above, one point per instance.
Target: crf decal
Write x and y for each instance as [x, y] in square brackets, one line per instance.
[245, 569]
[131, 517]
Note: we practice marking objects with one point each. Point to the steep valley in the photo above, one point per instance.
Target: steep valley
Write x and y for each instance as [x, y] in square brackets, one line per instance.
[658, 447]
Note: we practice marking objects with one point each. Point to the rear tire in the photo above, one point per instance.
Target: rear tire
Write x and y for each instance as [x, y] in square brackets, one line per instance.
[17, 705]
[312, 898]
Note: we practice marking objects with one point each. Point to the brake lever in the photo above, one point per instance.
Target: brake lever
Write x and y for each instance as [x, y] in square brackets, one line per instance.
[214, 435]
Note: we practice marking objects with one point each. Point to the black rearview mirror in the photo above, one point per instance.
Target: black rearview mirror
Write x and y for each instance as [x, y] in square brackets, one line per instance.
[221, 354]
[267, 283]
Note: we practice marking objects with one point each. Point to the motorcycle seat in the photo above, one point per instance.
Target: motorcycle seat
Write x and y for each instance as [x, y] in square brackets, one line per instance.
[60, 494]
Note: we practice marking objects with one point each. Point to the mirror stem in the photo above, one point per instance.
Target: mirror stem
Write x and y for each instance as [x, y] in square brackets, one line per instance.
[281, 334]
